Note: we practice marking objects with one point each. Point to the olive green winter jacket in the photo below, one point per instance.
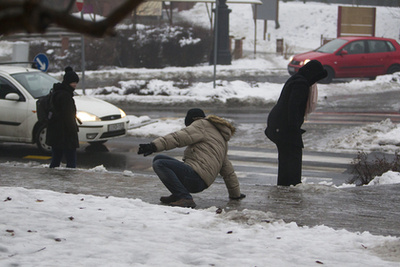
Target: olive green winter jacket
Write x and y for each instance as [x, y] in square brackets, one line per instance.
[207, 147]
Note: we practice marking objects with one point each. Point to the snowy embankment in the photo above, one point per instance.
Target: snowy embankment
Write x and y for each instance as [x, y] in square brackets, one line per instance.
[98, 231]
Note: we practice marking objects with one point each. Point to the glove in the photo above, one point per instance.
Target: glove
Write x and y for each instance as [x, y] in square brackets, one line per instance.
[238, 198]
[147, 149]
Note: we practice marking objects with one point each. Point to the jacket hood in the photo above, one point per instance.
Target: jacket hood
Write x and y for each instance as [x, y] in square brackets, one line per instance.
[313, 71]
[226, 129]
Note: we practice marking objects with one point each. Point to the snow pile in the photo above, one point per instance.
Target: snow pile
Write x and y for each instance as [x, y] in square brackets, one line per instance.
[165, 91]
[158, 128]
[45, 228]
[158, 91]
[389, 177]
[5, 48]
[99, 169]
[381, 136]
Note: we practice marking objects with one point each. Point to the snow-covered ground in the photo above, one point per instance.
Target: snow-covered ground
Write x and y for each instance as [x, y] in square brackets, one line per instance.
[44, 228]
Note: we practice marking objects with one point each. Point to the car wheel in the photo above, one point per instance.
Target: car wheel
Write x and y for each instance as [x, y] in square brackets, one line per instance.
[331, 75]
[394, 68]
[41, 140]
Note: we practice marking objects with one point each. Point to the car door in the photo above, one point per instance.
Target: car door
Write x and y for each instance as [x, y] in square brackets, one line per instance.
[13, 113]
[352, 61]
[378, 56]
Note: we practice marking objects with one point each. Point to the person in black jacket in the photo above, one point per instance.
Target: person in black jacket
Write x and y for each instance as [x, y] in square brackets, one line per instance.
[62, 130]
[286, 118]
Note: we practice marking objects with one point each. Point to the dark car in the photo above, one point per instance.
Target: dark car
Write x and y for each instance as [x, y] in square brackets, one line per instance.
[353, 57]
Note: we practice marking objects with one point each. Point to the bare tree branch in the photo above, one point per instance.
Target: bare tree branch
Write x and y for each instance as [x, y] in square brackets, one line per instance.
[32, 17]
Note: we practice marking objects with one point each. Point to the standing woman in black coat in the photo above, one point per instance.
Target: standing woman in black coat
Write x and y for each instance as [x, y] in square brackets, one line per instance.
[287, 117]
[62, 130]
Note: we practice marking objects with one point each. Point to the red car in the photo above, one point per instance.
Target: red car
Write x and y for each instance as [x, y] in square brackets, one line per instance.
[353, 57]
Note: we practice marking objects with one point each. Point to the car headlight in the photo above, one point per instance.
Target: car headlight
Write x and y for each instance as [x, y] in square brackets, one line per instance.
[305, 62]
[291, 58]
[123, 114]
[86, 116]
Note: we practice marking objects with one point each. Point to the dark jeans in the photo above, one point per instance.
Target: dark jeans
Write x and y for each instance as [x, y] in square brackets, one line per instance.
[289, 165]
[179, 178]
[57, 155]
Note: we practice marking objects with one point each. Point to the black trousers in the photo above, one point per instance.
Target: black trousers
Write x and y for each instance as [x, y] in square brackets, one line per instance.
[289, 164]
[57, 155]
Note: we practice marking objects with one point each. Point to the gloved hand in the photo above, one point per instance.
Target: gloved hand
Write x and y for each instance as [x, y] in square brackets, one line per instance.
[238, 198]
[147, 149]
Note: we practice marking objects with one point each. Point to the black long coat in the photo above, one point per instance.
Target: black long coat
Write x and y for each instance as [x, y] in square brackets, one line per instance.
[62, 130]
[287, 116]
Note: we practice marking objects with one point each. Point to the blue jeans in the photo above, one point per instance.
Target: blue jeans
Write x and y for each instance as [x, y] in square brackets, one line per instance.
[179, 178]
[57, 155]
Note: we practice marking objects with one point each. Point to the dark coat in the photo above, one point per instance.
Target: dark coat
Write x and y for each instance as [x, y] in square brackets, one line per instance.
[62, 130]
[287, 116]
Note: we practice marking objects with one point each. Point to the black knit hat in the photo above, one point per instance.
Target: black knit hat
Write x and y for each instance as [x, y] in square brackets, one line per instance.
[192, 114]
[70, 76]
[313, 71]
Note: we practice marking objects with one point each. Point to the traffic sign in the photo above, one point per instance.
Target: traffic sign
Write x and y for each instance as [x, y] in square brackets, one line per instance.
[79, 5]
[42, 62]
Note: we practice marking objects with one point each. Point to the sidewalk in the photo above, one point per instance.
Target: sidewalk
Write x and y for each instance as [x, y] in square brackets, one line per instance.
[374, 209]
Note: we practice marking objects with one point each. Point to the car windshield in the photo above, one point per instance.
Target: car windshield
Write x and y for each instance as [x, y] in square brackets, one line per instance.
[38, 84]
[332, 46]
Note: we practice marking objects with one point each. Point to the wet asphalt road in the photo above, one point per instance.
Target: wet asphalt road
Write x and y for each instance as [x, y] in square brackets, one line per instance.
[254, 157]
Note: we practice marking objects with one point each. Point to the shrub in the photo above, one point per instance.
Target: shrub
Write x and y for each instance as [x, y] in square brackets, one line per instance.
[366, 170]
[57, 61]
[100, 52]
[187, 47]
[162, 46]
[145, 47]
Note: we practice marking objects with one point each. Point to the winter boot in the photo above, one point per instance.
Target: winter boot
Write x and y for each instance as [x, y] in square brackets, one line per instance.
[184, 203]
[169, 199]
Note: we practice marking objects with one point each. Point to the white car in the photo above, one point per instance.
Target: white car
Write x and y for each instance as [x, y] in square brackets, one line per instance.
[19, 90]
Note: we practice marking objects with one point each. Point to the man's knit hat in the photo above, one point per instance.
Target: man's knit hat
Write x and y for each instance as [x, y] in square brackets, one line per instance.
[192, 114]
[70, 76]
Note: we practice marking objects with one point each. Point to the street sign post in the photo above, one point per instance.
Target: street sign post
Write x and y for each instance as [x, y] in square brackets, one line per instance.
[42, 62]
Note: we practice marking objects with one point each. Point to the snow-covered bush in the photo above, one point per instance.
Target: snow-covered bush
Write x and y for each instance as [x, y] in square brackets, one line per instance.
[58, 60]
[366, 169]
[165, 45]
[146, 46]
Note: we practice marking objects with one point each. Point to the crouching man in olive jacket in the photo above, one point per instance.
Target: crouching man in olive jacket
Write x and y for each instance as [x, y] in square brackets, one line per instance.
[204, 158]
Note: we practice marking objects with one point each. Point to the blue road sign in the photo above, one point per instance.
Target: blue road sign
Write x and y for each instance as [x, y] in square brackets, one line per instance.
[42, 62]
